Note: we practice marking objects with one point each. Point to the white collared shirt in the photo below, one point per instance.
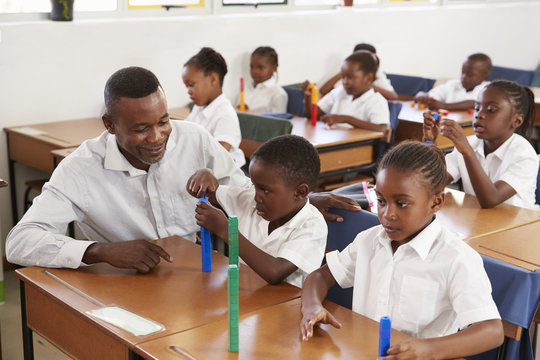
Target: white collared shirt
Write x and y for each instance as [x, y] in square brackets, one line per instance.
[370, 106]
[220, 119]
[266, 97]
[515, 162]
[452, 91]
[432, 286]
[302, 240]
[110, 200]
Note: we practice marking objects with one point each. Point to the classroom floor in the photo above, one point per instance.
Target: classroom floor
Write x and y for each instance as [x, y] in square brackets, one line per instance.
[10, 321]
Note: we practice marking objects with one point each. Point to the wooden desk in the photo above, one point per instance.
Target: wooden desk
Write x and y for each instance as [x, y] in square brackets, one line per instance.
[274, 333]
[178, 295]
[32, 145]
[339, 147]
[519, 246]
[462, 213]
[179, 113]
[411, 120]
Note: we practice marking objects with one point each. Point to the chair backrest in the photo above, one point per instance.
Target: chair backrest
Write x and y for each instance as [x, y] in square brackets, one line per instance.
[395, 109]
[256, 129]
[523, 77]
[536, 79]
[339, 236]
[410, 85]
[295, 103]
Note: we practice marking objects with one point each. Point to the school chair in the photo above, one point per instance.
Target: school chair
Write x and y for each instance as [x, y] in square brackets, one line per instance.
[339, 236]
[256, 129]
[295, 102]
[407, 86]
[395, 109]
[523, 77]
[536, 79]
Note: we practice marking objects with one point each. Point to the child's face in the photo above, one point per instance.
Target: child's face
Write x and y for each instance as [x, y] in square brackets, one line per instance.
[202, 89]
[355, 81]
[494, 117]
[405, 204]
[277, 201]
[473, 73]
[261, 68]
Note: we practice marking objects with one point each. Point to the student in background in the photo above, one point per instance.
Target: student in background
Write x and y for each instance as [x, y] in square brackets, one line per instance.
[430, 283]
[381, 84]
[354, 102]
[281, 235]
[263, 94]
[460, 94]
[203, 76]
[497, 164]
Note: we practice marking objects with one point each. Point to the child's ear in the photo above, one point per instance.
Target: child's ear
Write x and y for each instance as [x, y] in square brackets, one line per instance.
[214, 78]
[302, 191]
[438, 201]
[517, 120]
[108, 123]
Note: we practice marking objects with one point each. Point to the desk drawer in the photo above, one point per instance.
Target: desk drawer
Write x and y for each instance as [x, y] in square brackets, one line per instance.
[345, 158]
[63, 327]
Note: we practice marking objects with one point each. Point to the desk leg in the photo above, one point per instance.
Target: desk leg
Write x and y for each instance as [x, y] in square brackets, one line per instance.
[28, 344]
[134, 356]
[14, 213]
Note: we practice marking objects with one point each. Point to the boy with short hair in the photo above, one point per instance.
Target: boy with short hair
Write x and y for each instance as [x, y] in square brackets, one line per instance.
[281, 235]
[460, 94]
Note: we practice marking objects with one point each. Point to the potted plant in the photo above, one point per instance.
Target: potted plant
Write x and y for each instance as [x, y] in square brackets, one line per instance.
[62, 10]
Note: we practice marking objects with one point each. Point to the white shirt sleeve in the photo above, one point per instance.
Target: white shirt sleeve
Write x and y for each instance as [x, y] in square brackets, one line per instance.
[441, 92]
[278, 103]
[326, 103]
[343, 264]
[521, 170]
[378, 111]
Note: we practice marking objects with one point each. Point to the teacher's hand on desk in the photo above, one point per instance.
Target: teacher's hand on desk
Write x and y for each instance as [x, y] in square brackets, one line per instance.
[323, 201]
[141, 255]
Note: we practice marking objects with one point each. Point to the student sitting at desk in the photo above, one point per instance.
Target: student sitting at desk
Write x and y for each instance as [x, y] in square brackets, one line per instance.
[263, 94]
[497, 164]
[381, 84]
[203, 76]
[430, 283]
[281, 235]
[460, 94]
[354, 102]
[127, 186]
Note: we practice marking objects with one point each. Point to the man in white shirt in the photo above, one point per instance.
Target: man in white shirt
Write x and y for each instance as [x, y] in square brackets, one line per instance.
[460, 94]
[126, 186]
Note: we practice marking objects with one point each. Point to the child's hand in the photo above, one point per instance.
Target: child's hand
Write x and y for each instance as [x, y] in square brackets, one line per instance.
[306, 89]
[421, 98]
[200, 181]
[213, 219]
[431, 129]
[419, 349]
[435, 104]
[454, 132]
[246, 107]
[332, 119]
[313, 316]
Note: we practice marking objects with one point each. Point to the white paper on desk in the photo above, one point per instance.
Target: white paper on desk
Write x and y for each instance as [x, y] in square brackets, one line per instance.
[135, 324]
[31, 131]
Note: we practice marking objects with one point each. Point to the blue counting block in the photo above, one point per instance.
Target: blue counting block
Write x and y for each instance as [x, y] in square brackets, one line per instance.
[206, 247]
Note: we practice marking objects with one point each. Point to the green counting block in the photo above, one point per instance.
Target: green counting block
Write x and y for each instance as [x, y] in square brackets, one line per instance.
[233, 300]
[233, 240]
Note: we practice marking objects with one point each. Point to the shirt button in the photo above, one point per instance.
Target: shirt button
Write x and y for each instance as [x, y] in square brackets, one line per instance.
[70, 262]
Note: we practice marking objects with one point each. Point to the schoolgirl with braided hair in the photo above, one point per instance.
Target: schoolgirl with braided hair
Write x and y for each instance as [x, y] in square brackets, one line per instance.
[497, 164]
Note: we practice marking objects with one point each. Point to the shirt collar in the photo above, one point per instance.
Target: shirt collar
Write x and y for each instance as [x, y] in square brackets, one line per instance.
[268, 83]
[478, 147]
[422, 242]
[208, 110]
[362, 97]
[116, 161]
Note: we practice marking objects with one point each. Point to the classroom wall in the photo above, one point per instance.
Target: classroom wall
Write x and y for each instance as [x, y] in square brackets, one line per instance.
[56, 71]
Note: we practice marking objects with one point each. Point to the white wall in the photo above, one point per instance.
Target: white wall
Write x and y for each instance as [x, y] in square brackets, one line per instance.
[56, 71]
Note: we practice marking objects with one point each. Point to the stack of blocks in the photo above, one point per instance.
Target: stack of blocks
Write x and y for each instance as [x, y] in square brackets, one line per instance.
[233, 284]
[206, 245]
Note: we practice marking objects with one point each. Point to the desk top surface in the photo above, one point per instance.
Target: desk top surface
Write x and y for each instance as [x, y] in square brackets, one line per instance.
[178, 294]
[324, 135]
[414, 114]
[462, 213]
[61, 134]
[274, 333]
[519, 246]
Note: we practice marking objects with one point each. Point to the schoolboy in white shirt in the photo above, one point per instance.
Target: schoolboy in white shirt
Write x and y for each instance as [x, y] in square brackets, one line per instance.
[281, 235]
[460, 94]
